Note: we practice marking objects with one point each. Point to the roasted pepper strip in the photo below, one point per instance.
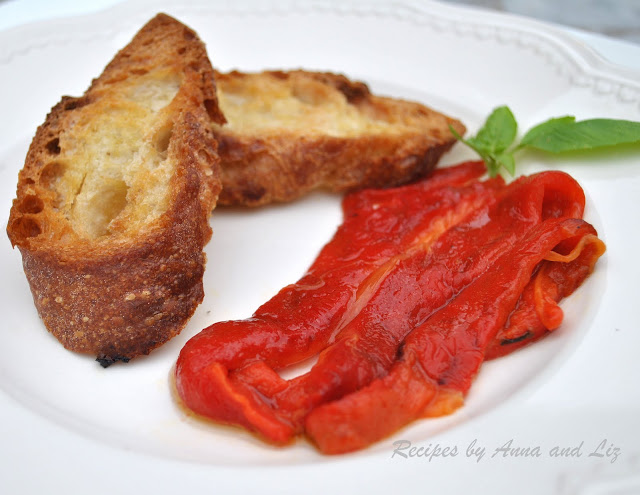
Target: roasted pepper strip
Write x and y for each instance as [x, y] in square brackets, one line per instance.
[537, 312]
[304, 317]
[421, 282]
[445, 352]
[400, 255]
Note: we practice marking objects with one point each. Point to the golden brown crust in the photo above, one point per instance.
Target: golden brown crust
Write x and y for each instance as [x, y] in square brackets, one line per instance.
[124, 293]
[270, 164]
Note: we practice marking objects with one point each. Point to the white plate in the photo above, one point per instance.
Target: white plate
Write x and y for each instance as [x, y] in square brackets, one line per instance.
[60, 409]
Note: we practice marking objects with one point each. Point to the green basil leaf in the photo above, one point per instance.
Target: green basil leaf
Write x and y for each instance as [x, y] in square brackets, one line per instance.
[538, 132]
[494, 142]
[497, 133]
[468, 142]
[493, 161]
[564, 134]
[493, 167]
[508, 162]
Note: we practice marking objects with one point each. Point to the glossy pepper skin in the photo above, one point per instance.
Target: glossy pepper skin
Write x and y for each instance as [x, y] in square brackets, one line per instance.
[537, 312]
[417, 288]
[300, 321]
[446, 352]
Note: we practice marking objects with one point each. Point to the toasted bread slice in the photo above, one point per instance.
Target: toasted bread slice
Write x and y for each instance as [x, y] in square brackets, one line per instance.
[290, 132]
[113, 202]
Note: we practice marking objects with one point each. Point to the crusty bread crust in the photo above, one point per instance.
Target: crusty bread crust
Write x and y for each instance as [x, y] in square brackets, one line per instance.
[378, 142]
[127, 284]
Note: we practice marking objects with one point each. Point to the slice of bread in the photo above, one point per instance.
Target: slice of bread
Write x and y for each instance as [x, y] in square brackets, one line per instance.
[290, 132]
[113, 202]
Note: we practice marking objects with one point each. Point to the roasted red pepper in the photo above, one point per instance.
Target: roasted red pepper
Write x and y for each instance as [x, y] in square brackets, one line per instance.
[444, 353]
[537, 311]
[304, 317]
[418, 286]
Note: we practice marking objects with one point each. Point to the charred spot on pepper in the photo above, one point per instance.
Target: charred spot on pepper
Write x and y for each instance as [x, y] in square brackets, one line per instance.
[400, 351]
[515, 340]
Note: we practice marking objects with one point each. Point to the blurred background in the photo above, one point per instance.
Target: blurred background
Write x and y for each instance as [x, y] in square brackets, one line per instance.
[614, 18]
[618, 19]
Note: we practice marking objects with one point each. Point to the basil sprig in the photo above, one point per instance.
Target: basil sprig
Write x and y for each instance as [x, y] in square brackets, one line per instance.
[494, 142]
